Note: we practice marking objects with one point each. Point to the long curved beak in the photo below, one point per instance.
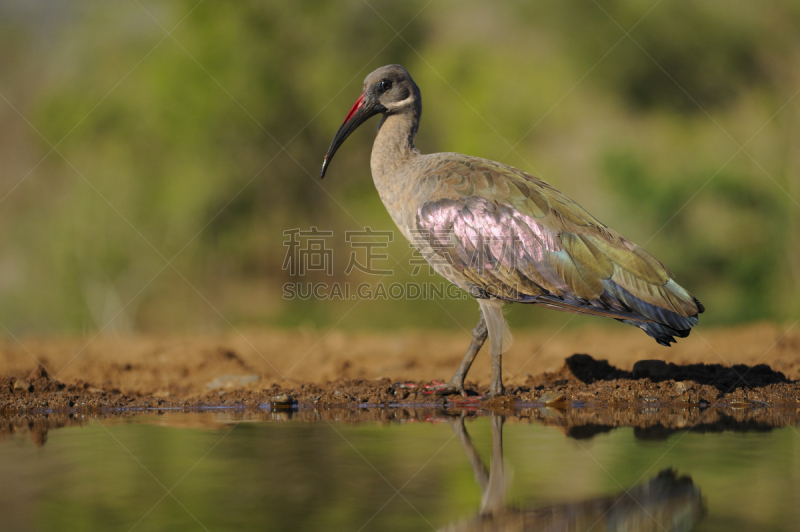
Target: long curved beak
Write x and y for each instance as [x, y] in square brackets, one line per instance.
[363, 109]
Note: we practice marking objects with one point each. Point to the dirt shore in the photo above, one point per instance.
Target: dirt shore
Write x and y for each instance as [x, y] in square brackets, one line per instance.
[750, 365]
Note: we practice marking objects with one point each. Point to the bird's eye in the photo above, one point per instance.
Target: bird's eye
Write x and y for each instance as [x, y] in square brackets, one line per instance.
[385, 85]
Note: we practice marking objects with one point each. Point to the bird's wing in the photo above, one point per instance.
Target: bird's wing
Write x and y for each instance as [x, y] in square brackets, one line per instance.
[517, 238]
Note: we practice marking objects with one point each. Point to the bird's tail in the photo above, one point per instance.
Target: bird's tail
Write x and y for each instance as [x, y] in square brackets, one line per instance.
[663, 334]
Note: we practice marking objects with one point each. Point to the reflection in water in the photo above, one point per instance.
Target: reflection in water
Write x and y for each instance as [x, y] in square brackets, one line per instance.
[654, 423]
[665, 503]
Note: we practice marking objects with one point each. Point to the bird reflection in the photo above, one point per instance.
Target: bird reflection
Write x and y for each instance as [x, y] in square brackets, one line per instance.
[665, 503]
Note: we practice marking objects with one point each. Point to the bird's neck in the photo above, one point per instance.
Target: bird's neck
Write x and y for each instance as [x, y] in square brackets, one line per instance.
[394, 147]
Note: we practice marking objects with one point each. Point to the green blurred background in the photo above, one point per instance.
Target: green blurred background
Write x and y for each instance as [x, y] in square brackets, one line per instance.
[153, 153]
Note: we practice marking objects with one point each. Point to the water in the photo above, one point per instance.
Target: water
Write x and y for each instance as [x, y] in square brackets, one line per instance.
[221, 471]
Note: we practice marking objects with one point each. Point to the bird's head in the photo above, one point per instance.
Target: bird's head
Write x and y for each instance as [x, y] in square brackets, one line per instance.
[388, 90]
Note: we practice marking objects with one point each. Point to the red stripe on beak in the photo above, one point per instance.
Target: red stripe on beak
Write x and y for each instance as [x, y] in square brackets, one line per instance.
[356, 107]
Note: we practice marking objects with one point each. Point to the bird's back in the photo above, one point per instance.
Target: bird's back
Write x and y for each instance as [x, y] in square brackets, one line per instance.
[509, 235]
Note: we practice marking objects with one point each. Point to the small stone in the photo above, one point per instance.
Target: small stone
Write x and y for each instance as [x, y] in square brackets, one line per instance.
[650, 369]
[550, 398]
[96, 390]
[22, 384]
[283, 400]
[681, 387]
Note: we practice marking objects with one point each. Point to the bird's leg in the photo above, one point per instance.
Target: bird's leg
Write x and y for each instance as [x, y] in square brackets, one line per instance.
[496, 325]
[496, 388]
[478, 467]
[456, 384]
[495, 493]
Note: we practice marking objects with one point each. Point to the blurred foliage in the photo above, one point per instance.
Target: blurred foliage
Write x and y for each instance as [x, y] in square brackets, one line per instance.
[154, 153]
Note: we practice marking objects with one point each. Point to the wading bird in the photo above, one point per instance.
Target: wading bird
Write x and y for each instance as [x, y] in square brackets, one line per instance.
[665, 503]
[504, 235]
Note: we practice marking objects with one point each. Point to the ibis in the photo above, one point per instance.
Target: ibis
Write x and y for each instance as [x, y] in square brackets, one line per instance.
[505, 236]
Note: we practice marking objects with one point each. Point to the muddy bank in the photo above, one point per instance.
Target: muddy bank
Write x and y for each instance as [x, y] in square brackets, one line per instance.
[179, 367]
[581, 381]
[753, 366]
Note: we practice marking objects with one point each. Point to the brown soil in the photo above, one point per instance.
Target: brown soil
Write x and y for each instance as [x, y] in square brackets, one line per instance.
[753, 366]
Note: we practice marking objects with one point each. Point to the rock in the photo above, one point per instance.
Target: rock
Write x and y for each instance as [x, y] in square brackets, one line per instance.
[681, 387]
[38, 373]
[22, 384]
[550, 398]
[231, 381]
[650, 369]
[283, 400]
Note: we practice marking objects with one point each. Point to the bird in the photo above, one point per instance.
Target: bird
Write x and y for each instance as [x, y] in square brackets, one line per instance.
[666, 502]
[504, 235]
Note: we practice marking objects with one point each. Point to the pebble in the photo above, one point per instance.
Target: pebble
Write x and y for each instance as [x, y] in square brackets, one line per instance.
[283, 400]
[681, 387]
[22, 384]
[550, 398]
